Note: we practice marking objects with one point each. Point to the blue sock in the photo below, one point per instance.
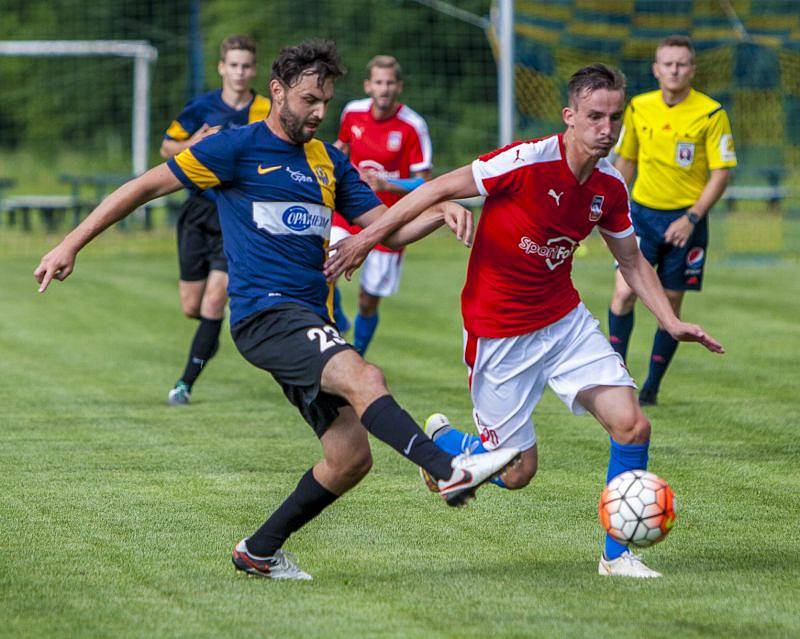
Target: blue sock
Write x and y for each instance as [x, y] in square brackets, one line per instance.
[364, 330]
[623, 457]
[619, 332]
[339, 316]
[664, 347]
[455, 442]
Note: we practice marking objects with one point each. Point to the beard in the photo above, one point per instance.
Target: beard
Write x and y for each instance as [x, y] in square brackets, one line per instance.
[293, 126]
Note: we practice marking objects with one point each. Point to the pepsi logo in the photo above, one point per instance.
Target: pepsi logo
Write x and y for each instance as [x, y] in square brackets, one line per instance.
[695, 256]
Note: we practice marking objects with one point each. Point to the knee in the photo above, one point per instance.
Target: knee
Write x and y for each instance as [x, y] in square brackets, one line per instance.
[520, 474]
[190, 310]
[354, 468]
[635, 430]
[370, 378]
[623, 300]
[367, 304]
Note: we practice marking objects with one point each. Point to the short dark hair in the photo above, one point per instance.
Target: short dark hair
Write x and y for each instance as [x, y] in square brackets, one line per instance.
[594, 77]
[236, 43]
[677, 41]
[318, 57]
[385, 62]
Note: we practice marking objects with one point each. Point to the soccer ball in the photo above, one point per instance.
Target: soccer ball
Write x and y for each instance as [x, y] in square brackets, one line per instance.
[637, 508]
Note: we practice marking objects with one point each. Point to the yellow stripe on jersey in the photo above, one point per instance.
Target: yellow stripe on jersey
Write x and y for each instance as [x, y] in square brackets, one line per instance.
[200, 176]
[259, 109]
[674, 147]
[177, 132]
[322, 168]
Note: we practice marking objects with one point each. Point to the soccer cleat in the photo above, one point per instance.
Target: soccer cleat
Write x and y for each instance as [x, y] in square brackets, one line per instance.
[280, 566]
[472, 471]
[435, 426]
[180, 395]
[648, 397]
[626, 565]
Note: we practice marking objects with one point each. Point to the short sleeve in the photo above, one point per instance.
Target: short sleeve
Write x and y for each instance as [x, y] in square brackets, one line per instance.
[208, 163]
[420, 149]
[185, 124]
[628, 144]
[353, 196]
[719, 142]
[495, 172]
[617, 222]
[344, 129]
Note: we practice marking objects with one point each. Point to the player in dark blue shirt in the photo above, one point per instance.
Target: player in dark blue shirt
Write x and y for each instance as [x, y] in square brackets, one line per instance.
[277, 187]
[203, 267]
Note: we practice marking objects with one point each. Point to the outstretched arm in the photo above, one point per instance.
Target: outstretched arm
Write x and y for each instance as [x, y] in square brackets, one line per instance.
[352, 251]
[60, 262]
[641, 277]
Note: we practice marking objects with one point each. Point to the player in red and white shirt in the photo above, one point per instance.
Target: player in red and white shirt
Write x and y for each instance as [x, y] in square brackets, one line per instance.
[525, 326]
[390, 146]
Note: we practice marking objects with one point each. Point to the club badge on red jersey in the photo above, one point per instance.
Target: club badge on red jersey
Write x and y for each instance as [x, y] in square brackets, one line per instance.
[596, 208]
[394, 141]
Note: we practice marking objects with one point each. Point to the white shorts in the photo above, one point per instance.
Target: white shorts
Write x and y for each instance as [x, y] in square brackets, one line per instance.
[508, 375]
[380, 272]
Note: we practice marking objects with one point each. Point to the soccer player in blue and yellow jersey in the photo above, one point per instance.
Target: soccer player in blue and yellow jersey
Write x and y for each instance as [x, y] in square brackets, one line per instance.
[203, 267]
[277, 188]
[679, 143]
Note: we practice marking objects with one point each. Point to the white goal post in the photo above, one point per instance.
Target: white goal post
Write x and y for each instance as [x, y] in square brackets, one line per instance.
[143, 54]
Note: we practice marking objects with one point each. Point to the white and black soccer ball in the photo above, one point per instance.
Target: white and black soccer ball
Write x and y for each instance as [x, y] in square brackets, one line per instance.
[637, 508]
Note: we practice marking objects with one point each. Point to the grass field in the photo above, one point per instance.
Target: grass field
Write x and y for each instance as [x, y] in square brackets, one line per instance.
[118, 514]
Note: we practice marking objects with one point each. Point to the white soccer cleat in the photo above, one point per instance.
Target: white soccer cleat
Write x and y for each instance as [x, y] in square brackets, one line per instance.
[471, 471]
[280, 566]
[626, 565]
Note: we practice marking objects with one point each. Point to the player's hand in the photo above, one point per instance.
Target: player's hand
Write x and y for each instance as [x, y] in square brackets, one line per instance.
[679, 232]
[685, 332]
[57, 264]
[375, 181]
[459, 219]
[345, 257]
[203, 132]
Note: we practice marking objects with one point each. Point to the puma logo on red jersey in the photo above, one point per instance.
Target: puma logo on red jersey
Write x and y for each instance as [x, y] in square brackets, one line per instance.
[555, 196]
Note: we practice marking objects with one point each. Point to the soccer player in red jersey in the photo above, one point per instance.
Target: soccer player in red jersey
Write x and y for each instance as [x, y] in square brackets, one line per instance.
[525, 325]
[390, 146]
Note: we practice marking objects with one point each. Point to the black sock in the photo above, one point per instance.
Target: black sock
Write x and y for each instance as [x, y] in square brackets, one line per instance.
[204, 345]
[664, 347]
[307, 501]
[619, 331]
[391, 424]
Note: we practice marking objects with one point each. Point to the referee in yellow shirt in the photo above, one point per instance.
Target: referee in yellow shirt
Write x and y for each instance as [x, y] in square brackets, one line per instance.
[680, 140]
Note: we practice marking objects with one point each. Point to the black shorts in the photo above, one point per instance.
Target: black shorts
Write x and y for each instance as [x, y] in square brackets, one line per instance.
[680, 268]
[199, 240]
[293, 344]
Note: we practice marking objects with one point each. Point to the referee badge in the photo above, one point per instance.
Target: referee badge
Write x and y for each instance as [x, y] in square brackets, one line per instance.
[684, 154]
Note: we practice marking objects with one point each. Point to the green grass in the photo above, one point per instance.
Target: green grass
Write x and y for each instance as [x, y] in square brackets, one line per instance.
[118, 514]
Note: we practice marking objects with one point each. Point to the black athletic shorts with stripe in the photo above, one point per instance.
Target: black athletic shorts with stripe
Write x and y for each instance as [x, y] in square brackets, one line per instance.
[199, 240]
[293, 344]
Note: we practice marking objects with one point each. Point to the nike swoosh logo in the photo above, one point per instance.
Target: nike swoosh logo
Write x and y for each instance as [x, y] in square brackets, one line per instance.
[407, 449]
[269, 169]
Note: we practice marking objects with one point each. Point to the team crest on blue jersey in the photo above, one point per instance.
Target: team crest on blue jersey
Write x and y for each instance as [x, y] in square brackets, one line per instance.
[596, 208]
[394, 141]
[322, 176]
[684, 154]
